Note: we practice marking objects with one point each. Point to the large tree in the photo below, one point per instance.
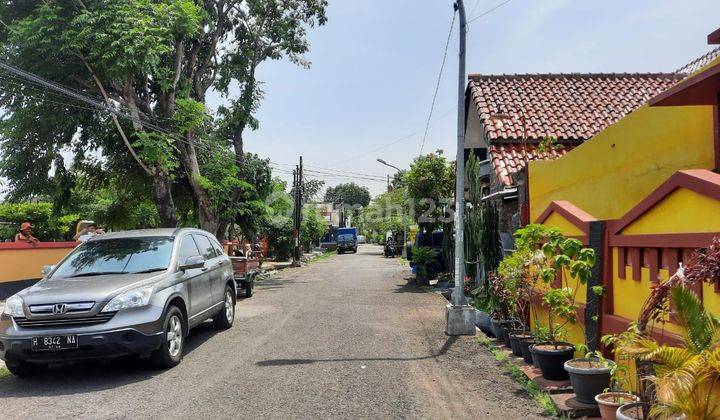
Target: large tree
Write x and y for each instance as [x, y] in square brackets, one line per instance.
[350, 194]
[430, 182]
[155, 60]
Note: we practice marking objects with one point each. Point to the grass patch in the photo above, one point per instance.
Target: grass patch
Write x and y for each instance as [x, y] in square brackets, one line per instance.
[543, 400]
[4, 373]
[321, 257]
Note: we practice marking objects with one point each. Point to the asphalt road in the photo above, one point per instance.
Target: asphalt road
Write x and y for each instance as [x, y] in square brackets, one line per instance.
[343, 337]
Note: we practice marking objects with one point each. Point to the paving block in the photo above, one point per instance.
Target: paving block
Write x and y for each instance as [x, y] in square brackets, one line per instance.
[551, 387]
[569, 406]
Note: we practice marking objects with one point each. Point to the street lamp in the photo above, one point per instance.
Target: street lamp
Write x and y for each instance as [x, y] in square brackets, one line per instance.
[404, 248]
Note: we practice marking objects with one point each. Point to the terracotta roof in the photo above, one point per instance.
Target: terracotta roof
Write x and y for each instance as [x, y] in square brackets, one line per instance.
[509, 158]
[571, 107]
[699, 62]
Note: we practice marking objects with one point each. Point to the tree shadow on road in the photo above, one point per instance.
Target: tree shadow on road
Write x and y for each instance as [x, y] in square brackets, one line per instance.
[412, 287]
[449, 341]
[98, 375]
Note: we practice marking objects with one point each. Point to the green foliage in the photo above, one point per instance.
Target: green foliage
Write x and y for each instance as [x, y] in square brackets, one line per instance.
[47, 225]
[422, 256]
[348, 194]
[549, 144]
[385, 214]
[430, 182]
[701, 326]
[156, 59]
[313, 226]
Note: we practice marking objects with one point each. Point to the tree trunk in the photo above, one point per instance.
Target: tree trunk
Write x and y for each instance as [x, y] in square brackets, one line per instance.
[207, 216]
[162, 196]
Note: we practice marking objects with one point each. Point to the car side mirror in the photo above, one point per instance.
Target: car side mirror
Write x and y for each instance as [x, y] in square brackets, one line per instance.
[196, 261]
[47, 269]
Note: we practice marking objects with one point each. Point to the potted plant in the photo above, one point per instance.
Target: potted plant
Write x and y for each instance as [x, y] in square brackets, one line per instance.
[589, 376]
[552, 355]
[615, 396]
[422, 257]
[525, 345]
[561, 258]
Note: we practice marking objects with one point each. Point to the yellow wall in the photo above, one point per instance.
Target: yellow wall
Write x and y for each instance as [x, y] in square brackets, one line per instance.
[25, 264]
[609, 174]
[682, 211]
[555, 220]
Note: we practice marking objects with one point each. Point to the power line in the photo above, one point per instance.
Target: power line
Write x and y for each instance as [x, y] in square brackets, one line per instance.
[437, 84]
[487, 12]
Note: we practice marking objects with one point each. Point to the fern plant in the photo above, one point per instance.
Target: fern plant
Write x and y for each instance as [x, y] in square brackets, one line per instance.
[685, 377]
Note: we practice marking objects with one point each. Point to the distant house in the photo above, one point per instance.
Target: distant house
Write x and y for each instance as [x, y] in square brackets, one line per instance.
[509, 116]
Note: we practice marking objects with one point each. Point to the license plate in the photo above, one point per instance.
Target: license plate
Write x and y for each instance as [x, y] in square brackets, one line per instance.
[54, 342]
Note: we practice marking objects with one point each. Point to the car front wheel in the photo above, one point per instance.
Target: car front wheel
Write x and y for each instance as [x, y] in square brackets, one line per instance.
[171, 349]
[224, 319]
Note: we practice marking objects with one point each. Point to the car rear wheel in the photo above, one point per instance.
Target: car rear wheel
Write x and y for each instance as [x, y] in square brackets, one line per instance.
[25, 369]
[170, 352]
[225, 318]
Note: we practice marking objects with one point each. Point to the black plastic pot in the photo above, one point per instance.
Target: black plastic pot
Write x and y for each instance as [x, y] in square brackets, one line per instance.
[525, 344]
[507, 327]
[495, 328]
[534, 358]
[588, 381]
[515, 337]
[552, 360]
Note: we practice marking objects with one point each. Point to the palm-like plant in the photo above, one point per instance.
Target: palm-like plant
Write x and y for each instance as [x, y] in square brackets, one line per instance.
[685, 377]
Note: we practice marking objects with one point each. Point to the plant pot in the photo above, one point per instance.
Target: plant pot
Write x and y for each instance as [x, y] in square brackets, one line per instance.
[609, 402]
[525, 344]
[589, 377]
[632, 411]
[507, 327]
[552, 360]
[483, 321]
[495, 327]
[534, 357]
[515, 337]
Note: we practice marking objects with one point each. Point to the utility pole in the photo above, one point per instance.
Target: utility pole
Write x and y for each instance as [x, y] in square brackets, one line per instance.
[459, 315]
[298, 186]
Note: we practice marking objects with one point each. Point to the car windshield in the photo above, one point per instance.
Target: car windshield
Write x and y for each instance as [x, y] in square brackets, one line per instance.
[117, 256]
[345, 238]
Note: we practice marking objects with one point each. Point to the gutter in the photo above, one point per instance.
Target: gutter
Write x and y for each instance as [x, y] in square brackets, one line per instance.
[506, 193]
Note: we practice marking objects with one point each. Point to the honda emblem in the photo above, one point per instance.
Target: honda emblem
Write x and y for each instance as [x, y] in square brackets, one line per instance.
[59, 308]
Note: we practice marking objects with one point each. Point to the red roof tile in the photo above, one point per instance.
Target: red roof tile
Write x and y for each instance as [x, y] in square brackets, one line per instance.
[509, 158]
[570, 107]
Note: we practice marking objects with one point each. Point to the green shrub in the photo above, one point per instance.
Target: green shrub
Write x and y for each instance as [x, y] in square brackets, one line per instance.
[48, 226]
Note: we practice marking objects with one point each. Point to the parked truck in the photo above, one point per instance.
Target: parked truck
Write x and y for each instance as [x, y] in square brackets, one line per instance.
[346, 240]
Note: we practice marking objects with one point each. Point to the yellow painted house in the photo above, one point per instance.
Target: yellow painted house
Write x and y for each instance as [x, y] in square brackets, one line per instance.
[645, 192]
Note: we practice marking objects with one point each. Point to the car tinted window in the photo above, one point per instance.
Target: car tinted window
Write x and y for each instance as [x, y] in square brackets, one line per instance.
[216, 246]
[187, 249]
[205, 247]
[117, 256]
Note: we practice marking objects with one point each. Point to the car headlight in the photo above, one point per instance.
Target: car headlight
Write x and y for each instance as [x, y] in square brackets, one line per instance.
[130, 299]
[14, 307]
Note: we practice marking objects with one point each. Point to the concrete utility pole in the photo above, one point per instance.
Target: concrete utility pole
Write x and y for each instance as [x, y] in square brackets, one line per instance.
[460, 317]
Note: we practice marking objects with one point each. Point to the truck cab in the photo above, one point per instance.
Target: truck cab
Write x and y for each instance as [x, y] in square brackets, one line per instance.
[347, 240]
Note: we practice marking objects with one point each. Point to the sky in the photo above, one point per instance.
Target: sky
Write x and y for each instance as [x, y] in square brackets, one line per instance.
[375, 65]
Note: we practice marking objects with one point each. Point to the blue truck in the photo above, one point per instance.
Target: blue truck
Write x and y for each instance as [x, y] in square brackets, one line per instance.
[346, 240]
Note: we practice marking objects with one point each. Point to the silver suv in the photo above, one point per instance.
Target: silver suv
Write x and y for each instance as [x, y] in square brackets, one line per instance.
[125, 293]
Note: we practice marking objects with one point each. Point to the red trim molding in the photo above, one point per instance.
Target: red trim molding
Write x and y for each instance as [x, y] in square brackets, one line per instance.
[614, 324]
[662, 240]
[574, 214]
[714, 37]
[701, 181]
[699, 89]
[39, 245]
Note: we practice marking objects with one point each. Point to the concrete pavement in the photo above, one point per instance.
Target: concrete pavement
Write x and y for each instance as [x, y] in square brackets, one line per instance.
[343, 337]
